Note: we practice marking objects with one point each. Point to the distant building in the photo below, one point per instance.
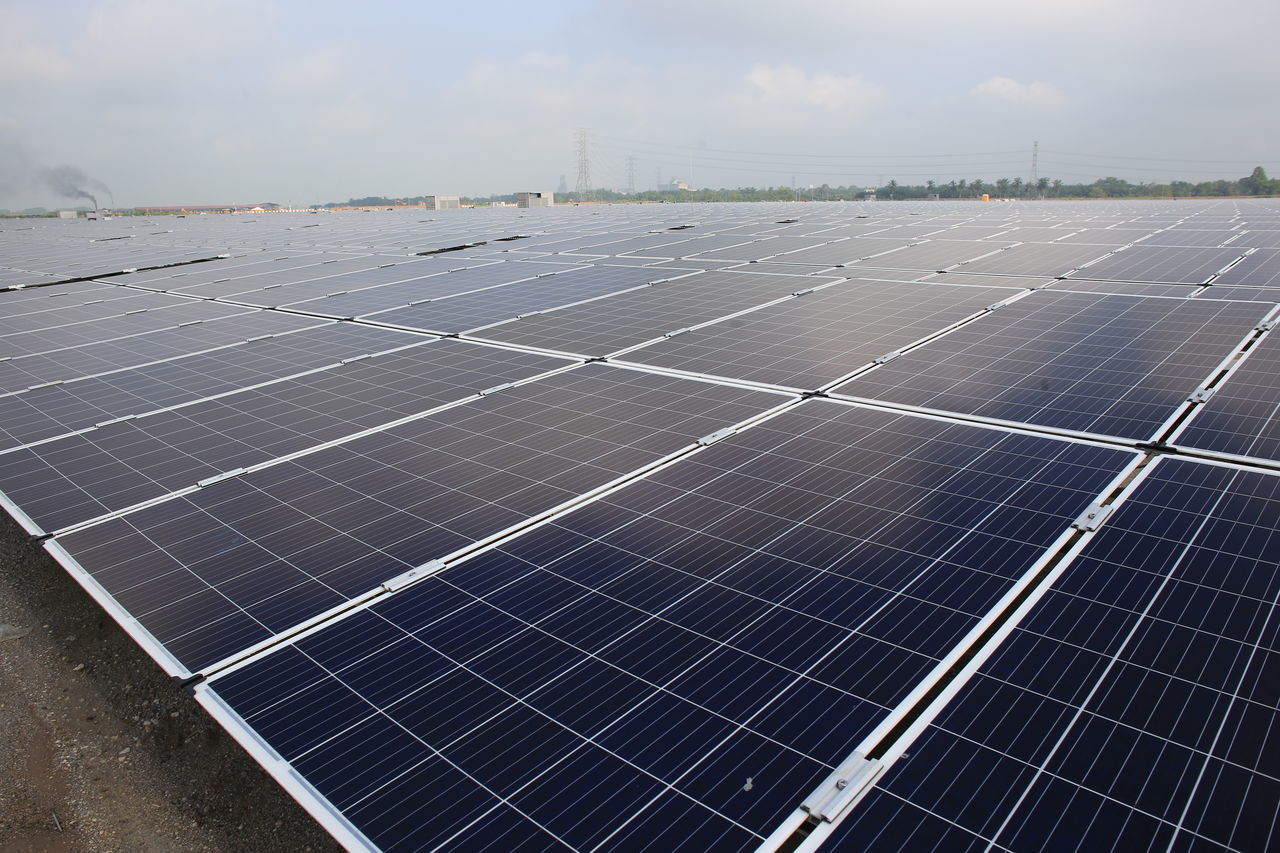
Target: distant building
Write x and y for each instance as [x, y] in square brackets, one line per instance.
[869, 196]
[68, 214]
[674, 185]
[535, 199]
[441, 202]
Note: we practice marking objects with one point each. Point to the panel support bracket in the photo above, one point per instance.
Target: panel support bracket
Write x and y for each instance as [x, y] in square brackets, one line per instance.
[843, 788]
[1092, 518]
[401, 581]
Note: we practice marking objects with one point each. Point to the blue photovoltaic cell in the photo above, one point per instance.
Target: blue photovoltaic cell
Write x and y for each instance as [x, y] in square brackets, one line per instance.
[1135, 708]
[1115, 365]
[221, 568]
[681, 662]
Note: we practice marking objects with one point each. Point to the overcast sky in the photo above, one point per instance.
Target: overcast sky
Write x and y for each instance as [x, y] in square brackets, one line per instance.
[303, 101]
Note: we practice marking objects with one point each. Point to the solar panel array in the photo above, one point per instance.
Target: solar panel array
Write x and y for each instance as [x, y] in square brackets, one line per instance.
[715, 527]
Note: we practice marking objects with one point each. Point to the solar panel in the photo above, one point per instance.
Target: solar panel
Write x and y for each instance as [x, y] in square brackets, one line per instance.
[1125, 288]
[681, 662]
[1135, 706]
[1035, 259]
[842, 252]
[1259, 269]
[817, 338]
[670, 592]
[1158, 263]
[238, 560]
[79, 403]
[1247, 294]
[125, 324]
[692, 246]
[60, 365]
[77, 478]
[443, 283]
[932, 255]
[1115, 365]
[1242, 416]
[606, 326]
[764, 247]
[473, 310]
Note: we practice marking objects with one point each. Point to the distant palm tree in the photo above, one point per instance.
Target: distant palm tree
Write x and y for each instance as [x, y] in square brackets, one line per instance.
[977, 187]
[1057, 188]
[1017, 187]
[1041, 185]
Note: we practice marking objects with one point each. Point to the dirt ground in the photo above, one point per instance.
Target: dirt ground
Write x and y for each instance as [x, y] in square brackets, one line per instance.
[100, 751]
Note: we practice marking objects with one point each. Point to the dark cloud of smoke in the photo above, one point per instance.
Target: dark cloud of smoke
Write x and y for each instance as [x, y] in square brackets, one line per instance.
[19, 174]
[70, 182]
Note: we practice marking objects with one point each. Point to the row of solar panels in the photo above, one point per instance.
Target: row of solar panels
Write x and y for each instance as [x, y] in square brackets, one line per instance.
[487, 592]
[35, 252]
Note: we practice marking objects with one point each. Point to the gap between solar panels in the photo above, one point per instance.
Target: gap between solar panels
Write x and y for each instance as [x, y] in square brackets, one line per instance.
[822, 811]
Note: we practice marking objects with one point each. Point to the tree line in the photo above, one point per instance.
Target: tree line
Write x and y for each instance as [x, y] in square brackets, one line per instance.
[1256, 183]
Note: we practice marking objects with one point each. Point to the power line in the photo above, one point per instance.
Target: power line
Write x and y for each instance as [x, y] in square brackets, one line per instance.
[700, 148]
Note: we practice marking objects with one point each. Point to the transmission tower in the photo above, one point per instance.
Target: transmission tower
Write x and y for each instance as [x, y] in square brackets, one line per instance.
[583, 187]
[1035, 165]
[631, 174]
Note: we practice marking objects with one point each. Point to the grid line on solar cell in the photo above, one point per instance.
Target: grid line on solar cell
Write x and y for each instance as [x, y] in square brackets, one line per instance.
[88, 359]
[72, 480]
[472, 311]
[1112, 365]
[606, 326]
[217, 570]
[820, 337]
[1133, 707]
[665, 643]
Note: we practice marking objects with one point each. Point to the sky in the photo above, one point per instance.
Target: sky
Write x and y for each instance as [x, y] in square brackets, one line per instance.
[170, 102]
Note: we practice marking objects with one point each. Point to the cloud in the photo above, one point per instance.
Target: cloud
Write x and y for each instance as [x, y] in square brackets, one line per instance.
[1036, 94]
[788, 84]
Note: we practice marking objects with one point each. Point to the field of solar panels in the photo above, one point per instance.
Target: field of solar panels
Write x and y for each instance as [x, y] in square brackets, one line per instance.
[725, 527]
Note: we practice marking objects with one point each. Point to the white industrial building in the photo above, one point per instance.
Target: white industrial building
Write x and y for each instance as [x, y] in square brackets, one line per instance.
[535, 199]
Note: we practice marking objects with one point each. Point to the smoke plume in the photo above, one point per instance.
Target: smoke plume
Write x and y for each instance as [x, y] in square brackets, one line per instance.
[21, 175]
[70, 182]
